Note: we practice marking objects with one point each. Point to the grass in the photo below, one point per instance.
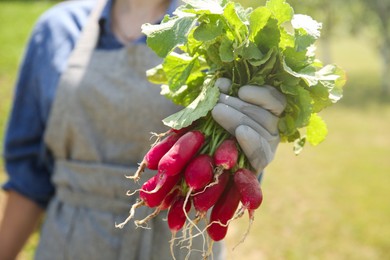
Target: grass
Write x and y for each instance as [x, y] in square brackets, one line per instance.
[330, 202]
[17, 19]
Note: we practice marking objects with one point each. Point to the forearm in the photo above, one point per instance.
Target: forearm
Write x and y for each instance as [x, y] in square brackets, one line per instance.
[20, 218]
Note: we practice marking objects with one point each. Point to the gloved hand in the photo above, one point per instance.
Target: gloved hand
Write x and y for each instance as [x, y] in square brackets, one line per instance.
[252, 119]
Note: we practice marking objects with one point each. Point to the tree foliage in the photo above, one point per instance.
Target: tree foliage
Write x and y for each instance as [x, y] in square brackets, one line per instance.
[376, 14]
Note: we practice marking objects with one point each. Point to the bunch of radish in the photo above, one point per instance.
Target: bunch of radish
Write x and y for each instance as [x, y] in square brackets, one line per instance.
[199, 165]
[195, 170]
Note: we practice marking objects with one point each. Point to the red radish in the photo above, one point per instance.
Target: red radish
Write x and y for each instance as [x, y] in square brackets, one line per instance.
[154, 155]
[168, 200]
[199, 171]
[183, 130]
[226, 154]
[153, 197]
[223, 211]
[148, 186]
[160, 181]
[250, 193]
[249, 188]
[165, 204]
[204, 200]
[176, 215]
[174, 161]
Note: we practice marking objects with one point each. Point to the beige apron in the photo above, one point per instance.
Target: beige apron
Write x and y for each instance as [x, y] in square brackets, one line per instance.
[99, 129]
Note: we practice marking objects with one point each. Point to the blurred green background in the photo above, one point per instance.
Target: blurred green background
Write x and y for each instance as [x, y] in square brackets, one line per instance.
[331, 201]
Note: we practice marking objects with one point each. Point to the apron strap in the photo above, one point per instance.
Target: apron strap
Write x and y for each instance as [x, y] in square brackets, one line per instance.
[78, 59]
[88, 38]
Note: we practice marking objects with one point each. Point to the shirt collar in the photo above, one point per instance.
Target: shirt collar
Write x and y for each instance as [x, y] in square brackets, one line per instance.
[104, 20]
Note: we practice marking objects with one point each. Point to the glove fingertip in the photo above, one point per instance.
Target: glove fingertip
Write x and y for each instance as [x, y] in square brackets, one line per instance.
[266, 96]
[255, 147]
[223, 84]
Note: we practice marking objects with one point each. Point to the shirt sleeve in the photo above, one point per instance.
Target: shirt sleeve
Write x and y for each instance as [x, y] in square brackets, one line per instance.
[24, 155]
[28, 163]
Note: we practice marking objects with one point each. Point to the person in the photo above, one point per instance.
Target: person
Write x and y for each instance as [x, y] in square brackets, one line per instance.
[79, 122]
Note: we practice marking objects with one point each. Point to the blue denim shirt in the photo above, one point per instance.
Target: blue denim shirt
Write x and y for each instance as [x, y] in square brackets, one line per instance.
[27, 161]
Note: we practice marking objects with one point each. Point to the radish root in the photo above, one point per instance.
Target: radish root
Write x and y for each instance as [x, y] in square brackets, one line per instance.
[172, 244]
[214, 182]
[193, 224]
[131, 215]
[140, 170]
[142, 222]
[209, 250]
[245, 234]
[158, 136]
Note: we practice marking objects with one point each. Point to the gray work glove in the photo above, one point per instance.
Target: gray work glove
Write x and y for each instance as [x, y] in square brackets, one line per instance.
[252, 119]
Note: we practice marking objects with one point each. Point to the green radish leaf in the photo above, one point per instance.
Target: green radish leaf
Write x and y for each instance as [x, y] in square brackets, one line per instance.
[316, 130]
[210, 28]
[212, 56]
[299, 143]
[308, 25]
[287, 126]
[290, 89]
[270, 55]
[226, 51]
[307, 74]
[295, 60]
[203, 7]
[178, 68]
[164, 37]
[205, 101]
[307, 31]
[320, 97]
[281, 10]
[236, 25]
[269, 36]
[286, 39]
[300, 106]
[257, 20]
[182, 97]
[269, 63]
[267, 45]
[333, 78]
[249, 51]
[157, 75]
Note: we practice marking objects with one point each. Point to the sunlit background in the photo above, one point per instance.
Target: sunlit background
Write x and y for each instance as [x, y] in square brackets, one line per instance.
[331, 201]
